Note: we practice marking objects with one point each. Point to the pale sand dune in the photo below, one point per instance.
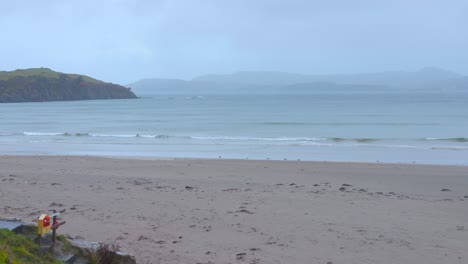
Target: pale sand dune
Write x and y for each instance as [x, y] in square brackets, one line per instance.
[233, 211]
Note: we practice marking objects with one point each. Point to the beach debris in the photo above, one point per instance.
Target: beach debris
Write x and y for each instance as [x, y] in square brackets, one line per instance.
[241, 256]
[346, 185]
[466, 196]
[244, 211]
[141, 182]
[445, 190]
[342, 189]
[188, 188]
[230, 190]
[362, 190]
[142, 238]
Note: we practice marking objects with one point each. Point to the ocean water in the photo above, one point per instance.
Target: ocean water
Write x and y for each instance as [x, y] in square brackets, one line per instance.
[369, 127]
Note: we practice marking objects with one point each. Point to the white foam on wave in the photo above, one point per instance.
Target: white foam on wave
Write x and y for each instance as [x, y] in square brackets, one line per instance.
[450, 148]
[152, 136]
[43, 134]
[116, 136]
[353, 145]
[130, 136]
[49, 134]
[284, 141]
[259, 138]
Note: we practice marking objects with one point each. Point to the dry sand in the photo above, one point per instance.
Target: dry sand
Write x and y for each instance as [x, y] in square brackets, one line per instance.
[234, 211]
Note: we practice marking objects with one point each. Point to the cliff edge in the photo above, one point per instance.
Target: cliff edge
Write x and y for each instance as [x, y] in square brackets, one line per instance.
[43, 84]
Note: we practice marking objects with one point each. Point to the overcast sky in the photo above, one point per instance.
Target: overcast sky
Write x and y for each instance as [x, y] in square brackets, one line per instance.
[125, 40]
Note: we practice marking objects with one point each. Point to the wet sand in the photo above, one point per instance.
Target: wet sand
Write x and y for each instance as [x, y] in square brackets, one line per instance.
[239, 211]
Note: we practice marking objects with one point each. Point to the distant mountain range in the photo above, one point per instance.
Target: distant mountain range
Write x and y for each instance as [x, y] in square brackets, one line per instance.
[427, 79]
[43, 84]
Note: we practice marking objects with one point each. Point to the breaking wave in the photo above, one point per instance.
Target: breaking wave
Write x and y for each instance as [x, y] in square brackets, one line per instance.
[346, 124]
[261, 138]
[457, 139]
[332, 141]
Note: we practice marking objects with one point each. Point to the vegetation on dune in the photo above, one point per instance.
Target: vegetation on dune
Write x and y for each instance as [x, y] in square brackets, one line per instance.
[105, 253]
[18, 249]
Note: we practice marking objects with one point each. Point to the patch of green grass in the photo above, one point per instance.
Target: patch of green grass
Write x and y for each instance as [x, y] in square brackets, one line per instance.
[3, 256]
[20, 249]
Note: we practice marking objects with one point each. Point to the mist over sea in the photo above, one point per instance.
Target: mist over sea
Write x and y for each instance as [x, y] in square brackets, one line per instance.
[329, 126]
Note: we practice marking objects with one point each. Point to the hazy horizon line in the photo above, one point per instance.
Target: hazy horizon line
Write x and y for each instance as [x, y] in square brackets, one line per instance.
[420, 69]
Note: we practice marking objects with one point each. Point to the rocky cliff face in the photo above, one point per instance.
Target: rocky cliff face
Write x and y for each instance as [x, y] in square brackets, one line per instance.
[47, 85]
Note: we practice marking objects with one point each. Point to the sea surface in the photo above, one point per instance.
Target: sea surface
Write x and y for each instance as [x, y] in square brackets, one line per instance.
[366, 127]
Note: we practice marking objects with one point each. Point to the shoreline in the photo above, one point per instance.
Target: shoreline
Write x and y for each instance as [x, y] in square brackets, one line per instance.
[248, 211]
[169, 158]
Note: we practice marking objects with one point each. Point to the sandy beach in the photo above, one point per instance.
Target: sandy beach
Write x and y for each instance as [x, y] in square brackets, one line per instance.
[242, 211]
